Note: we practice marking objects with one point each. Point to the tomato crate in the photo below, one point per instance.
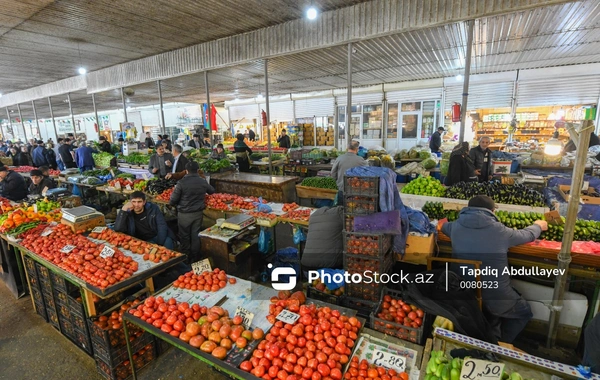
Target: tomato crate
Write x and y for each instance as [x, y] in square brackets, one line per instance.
[368, 244]
[45, 285]
[41, 310]
[349, 222]
[363, 308]
[82, 340]
[48, 300]
[354, 185]
[66, 327]
[122, 371]
[30, 267]
[312, 292]
[58, 282]
[61, 297]
[34, 282]
[37, 296]
[416, 335]
[63, 311]
[43, 272]
[79, 322]
[361, 264]
[114, 356]
[53, 317]
[360, 204]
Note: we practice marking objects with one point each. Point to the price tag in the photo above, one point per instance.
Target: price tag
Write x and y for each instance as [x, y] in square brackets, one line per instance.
[201, 266]
[287, 316]
[553, 217]
[112, 173]
[44, 190]
[67, 248]
[98, 230]
[145, 176]
[107, 252]
[46, 232]
[246, 315]
[118, 185]
[128, 188]
[389, 361]
[35, 207]
[481, 369]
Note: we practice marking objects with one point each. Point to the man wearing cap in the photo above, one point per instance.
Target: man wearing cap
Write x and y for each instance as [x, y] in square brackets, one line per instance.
[436, 140]
[189, 196]
[478, 235]
[13, 184]
[39, 183]
[66, 154]
[40, 155]
[344, 162]
[219, 153]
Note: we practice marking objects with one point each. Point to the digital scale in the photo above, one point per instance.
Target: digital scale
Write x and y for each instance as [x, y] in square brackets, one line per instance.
[129, 148]
[238, 222]
[80, 214]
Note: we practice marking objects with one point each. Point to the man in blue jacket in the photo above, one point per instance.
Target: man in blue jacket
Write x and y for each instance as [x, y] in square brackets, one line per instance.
[84, 158]
[144, 220]
[478, 235]
[39, 155]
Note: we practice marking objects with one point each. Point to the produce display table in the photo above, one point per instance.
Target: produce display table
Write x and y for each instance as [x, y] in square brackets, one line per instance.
[138, 172]
[273, 188]
[12, 273]
[236, 255]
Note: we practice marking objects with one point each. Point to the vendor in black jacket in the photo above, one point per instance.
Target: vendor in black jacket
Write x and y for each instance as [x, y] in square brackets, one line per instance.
[482, 159]
[105, 145]
[13, 185]
[39, 183]
[189, 196]
[145, 221]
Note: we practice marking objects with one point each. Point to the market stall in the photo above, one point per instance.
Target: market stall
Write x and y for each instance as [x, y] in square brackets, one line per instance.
[274, 188]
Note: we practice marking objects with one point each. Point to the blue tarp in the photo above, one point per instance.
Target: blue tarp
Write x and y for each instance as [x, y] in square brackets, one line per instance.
[389, 198]
[586, 211]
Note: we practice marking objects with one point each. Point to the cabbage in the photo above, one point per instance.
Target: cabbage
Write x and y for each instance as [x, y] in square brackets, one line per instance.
[429, 163]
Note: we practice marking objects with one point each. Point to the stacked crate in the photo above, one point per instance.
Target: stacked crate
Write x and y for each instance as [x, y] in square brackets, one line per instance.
[308, 134]
[364, 251]
[34, 285]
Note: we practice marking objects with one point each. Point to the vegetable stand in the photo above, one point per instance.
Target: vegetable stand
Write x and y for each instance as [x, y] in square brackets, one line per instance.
[12, 273]
[273, 188]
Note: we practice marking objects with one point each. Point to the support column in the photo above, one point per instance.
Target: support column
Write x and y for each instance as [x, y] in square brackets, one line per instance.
[124, 104]
[37, 122]
[52, 117]
[162, 112]
[268, 115]
[208, 109]
[96, 113]
[465, 95]
[22, 123]
[72, 116]
[348, 97]
[10, 123]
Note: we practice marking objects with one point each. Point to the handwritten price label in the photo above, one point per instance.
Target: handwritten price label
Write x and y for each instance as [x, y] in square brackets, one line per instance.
[246, 315]
[128, 187]
[201, 266]
[481, 369]
[67, 248]
[287, 317]
[98, 230]
[107, 252]
[47, 232]
[145, 176]
[389, 361]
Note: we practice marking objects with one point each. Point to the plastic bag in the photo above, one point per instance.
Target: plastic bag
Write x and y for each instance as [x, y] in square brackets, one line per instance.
[299, 236]
[262, 207]
[264, 238]
[419, 222]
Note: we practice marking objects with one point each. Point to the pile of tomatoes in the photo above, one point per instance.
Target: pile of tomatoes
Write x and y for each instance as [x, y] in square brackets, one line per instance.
[165, 196]
[219, 201]
[22, 169]
[54, 172]
[303, 215]
[363, 245]
[285, 300]
[399, 318]
[84, 260]
[207, 281]
[315, 347]
[289, 206]
[364, 370]
[123, 182]
[151, 252]
[240, 204]
[262, 215]
[169, 316]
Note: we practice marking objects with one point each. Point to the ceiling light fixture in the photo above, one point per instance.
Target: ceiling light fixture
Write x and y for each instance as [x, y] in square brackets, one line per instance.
[260, 96]
[0, 94]
[459, 77]
[82, 71]
[311, 13]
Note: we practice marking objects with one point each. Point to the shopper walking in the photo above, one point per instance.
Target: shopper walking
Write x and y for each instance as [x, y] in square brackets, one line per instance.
[284, 140]
[84, 158]
[66, 154]
[344, 162]
[40, 155]
[161, 162]
[461, 167]
[241, 153]
[482, 159]
[435, 142]
[188, 196]
[479, 235]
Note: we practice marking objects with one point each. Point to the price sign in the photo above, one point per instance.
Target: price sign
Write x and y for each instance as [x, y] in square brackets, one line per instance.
[246, 315]
[107, 252]
[127, 187]
[287, 317]
[118, 185]
[145, 176]
[389, 360]
[67, 248]
[112, 173]
[201, 266]
[481, 369]
[35, 207]
[44, 190]
[46, 232]
[98, 230]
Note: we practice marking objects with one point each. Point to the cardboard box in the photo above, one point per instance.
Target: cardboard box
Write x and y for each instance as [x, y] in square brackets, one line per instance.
[585, 197]
[418, 249]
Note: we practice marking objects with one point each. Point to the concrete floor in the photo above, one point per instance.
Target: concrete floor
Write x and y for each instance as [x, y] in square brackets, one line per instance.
[30, 348]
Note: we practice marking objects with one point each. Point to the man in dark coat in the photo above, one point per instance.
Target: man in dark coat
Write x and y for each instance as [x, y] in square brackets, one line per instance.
[66, 154]
[40, 155]
[195, 142]
[105, 145]
[460, 167]
[251, 134]
[13, 184]
[478, 235]
[284, 140]
[436, 140]
[482, 159]
[149, 140]
[145, 221]
[39, 183]
[179, 160]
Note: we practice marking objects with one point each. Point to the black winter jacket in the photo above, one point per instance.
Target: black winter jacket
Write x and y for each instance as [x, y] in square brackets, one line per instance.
[478, 156]
[190, 192]
[14, 187]
[126, 224]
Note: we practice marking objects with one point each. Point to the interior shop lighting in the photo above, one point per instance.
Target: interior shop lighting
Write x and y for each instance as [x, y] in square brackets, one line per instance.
[459, 77]
[82, 71]
[560, 113]
[259, 96]
[553, 147]
[0, 94]
[311, 13]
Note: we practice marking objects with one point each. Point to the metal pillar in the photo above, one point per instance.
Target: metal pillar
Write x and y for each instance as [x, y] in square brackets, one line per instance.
[208, 109]
[52, 117]
[22, 123]
[10, 123]
[268, 115]
[349, 97]
[96, 114]
[513, 104]
[124, 104]
[465, 95]
[597, 121]
[162, 112]
[564, 257]
[72, 116]
[37, 122]
[336, 124]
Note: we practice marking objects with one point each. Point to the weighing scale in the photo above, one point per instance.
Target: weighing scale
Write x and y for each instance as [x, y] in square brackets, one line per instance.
[238, 222]
[80, 214]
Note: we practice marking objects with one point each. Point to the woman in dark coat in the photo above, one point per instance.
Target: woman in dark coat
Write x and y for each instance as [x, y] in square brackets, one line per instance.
[241, 153]
[461, 167]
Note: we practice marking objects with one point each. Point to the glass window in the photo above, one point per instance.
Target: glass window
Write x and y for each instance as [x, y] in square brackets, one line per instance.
[413, 106]
[428, 122]
[410, 126]
[342, 122]
[372, 121]
[392, 131]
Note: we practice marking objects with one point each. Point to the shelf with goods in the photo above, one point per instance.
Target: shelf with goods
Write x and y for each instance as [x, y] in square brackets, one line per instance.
[372, 121]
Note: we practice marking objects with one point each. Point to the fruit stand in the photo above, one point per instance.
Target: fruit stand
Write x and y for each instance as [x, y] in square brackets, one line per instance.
[274, 188]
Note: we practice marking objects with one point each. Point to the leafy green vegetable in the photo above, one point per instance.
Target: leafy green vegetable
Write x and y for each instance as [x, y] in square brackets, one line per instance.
[136, 158]
[102, 159]
[320, 182]
[212, 166]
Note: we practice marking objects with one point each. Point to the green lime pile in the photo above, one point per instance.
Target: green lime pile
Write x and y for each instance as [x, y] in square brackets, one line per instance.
[46, 205]
[425, 186]
[320, 182]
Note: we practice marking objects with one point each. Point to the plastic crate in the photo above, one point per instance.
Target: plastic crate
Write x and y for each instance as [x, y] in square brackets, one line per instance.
[122, 371]
[43, 272]
[61, 297]
[162, 346]
[369, 244]
[30, 267]
[41, 310]
[66, 327]
[315, 294]
[105, 304]
[348, 222]
[416, 335]
[82, 340]
[53, 317]
[79, 322]
[34, 282]
[360, 264]
[58, 282]
[363, 205]
[115, 356]
[49, 300]
[37, 296]
[297, 154]
[63, 312]
[45, 285]
[363, 308]
[354, 185]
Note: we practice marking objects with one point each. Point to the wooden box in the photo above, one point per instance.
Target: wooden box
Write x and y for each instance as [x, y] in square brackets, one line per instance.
[86, 225]
[316, 193]
[585, 195]
[418, 249]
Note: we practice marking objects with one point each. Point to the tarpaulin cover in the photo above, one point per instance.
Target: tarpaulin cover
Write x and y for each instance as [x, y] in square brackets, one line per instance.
[389, 198]
[586, 211]
[419, 222]
[389, 222]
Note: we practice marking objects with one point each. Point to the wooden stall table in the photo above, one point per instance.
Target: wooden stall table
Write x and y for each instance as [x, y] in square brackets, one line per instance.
[12, 273]
[273, 188]
[263, 167]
